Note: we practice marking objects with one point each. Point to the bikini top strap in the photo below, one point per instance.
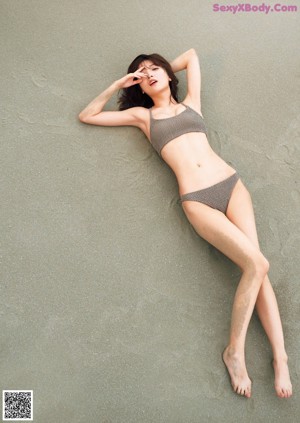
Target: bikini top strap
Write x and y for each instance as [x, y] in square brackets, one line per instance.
[200, 114]
[186, 106]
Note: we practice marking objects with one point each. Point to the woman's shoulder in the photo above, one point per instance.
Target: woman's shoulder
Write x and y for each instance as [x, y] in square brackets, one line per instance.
[141, 111]
[142, 115]
[192, 104]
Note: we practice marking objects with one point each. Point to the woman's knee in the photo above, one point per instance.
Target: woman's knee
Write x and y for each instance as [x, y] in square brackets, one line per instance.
[260, 265]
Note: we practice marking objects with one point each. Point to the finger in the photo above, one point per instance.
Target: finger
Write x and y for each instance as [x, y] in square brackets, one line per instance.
[137, 80]
[139, 75]
[139, 71]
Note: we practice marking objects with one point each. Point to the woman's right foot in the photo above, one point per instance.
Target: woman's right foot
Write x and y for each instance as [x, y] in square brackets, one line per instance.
[283, 385]
[236, 367]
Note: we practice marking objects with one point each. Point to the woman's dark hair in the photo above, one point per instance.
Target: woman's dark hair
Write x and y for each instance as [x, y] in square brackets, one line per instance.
[133, 96]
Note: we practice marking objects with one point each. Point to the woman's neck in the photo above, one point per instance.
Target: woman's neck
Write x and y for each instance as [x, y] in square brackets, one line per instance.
[164, 101]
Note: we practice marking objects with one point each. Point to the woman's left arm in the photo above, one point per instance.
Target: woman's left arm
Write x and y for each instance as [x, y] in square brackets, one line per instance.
[189, 60]
[180, 63]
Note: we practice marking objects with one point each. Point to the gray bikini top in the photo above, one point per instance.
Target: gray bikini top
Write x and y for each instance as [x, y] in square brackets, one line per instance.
[164, 130]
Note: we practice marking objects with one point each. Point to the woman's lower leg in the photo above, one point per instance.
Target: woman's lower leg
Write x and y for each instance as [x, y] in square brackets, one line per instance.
[267, 310]
[244, 302]
[268, 313]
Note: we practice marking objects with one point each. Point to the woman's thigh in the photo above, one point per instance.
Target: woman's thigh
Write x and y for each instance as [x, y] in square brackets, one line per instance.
[240, 212]
[216, 228]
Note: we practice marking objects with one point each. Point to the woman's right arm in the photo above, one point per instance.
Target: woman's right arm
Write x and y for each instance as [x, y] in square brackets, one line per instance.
[94, 115]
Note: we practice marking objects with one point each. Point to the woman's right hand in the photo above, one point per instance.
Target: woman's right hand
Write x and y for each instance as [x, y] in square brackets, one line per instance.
[128, 80]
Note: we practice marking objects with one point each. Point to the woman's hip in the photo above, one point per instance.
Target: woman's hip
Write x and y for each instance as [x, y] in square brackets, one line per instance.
[216, 196]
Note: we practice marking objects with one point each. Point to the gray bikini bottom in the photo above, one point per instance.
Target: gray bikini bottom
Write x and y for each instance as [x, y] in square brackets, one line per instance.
[216, 196]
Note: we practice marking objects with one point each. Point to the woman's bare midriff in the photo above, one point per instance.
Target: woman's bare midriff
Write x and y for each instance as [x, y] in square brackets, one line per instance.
[195, 164]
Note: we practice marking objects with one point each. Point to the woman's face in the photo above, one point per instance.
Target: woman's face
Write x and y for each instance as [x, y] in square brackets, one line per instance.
[153, 73]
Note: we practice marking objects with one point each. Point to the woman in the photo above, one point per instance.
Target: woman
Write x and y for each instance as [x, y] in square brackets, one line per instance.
[214, 199]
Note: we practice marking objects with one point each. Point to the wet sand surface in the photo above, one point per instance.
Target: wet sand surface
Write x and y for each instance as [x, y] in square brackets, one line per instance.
[113, 309]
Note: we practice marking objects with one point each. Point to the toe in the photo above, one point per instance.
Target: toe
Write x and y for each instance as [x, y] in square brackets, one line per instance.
[248, 392]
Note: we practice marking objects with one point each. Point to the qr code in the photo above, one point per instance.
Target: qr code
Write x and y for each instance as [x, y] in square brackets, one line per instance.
[17, 405]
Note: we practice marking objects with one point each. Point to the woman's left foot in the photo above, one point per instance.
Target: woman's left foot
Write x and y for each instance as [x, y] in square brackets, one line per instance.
[283, 385]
